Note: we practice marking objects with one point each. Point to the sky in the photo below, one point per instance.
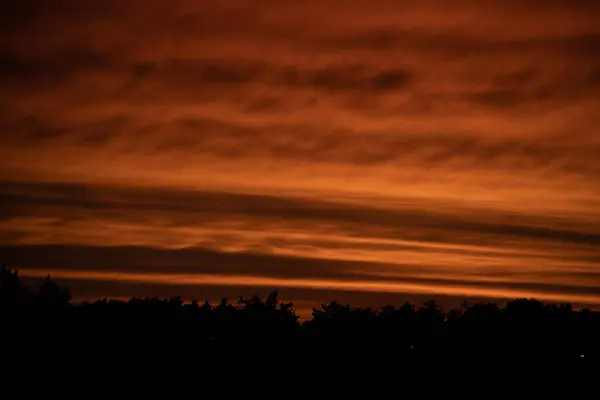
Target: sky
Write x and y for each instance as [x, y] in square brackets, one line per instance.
[369, 151]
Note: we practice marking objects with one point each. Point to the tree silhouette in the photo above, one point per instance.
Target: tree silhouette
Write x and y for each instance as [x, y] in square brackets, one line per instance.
[52, 295]
[524, 330]
[12, 292]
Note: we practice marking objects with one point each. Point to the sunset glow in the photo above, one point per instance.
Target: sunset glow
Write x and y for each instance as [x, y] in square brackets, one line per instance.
[438, 148]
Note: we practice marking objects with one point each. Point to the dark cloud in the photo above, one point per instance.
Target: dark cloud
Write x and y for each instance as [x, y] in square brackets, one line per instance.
[391, 80]
[522, 285]
[332, 79]
[143, 69]
[463, 226]
[152, 261]
[585, 45]
[560, 5]
[389, 147]
[455, 44]
[523, 89]
[497, 98]
[594, 76]
[209, 71]
[357, 78]
[148, 260]
[52, 69]
[33, 130]
[510, 90]
[240, 72]
[25, 13]
[309, 245]
[227, 140]
[516, 78]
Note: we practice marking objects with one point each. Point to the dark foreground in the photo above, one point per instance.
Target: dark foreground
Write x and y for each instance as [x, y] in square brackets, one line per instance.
[258, 333]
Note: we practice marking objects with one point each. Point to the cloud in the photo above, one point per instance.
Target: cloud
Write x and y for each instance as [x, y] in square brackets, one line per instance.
[459, 225]
[312, 143]
[390, 80]
[353, 78]
[334, 78]
[67, 65]
[522, 89]
[395, 135]
[186, 261]
[453, 44]
[55, 69]
[146, 265]
[497, 98]
[31, 129]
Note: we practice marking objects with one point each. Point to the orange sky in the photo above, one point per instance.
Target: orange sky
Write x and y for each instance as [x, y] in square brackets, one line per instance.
[435, 148]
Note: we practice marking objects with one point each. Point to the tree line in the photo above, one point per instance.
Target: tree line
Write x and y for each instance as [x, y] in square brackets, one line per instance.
[521, 329]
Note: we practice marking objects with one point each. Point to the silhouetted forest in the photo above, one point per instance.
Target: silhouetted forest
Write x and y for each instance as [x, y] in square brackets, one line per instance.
[521, 330]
